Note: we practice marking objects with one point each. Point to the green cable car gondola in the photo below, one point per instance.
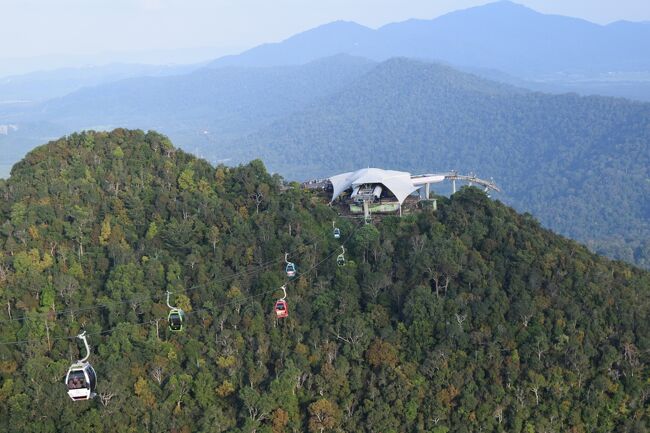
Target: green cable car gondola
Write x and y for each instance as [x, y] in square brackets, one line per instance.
[175, 318]
[340, 260]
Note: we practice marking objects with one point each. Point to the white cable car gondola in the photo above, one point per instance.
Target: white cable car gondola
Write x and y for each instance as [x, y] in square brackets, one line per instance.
[290, 268]
[175, 318]
[81, 379]
[336, 231]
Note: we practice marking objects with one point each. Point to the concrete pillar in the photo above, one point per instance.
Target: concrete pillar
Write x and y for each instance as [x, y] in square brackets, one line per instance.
[424, 191]
[366, 211]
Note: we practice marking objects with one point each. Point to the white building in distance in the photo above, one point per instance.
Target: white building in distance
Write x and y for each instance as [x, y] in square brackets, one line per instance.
[379, 190]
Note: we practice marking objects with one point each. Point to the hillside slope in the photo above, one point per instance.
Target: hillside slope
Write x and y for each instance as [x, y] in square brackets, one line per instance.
[579, 164]
[224, 100]
[202, 110]
[450, 321]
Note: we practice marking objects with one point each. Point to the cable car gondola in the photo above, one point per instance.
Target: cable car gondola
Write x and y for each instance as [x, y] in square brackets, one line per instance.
[336, 231]
[175, 318]
[290, 268]
[340, 259]
[281, 307]
[81, 378]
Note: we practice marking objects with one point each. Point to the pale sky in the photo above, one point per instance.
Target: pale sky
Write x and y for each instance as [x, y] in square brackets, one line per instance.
[38, 28]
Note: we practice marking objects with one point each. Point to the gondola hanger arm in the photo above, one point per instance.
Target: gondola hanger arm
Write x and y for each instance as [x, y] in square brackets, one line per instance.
[82, 336]
[168, 304]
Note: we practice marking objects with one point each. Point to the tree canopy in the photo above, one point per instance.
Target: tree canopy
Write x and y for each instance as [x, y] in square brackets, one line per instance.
[468, 318]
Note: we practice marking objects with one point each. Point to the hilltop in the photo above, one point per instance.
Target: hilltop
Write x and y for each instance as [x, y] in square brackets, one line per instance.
[446, 321]
[579, 164]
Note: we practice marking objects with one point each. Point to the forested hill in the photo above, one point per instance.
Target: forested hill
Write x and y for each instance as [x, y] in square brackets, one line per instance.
[468, 318]
[579, 164]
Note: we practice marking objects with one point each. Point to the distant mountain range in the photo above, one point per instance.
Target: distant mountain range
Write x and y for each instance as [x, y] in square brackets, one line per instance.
[229, 100]
[204, 110]
[503, 41]
[504, 36]
[43, 85]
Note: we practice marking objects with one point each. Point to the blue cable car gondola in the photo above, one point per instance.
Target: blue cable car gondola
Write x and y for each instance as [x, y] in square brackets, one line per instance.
[290, 269]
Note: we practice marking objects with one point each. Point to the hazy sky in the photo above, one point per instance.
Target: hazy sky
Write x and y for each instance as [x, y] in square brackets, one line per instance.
[31, 28]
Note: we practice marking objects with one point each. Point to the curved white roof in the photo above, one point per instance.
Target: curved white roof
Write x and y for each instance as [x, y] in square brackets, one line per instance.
[398, 182]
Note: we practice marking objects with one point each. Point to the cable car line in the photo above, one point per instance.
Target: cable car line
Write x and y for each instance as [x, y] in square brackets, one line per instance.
[136, 299]
[108, 331]
[247, 272]
[287, 281]
[240, 301]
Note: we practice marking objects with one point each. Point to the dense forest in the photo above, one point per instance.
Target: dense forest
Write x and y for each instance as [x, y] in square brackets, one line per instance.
[468, 318]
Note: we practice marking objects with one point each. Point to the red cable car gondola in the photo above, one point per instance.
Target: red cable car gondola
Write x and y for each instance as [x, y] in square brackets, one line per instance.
[281, 309]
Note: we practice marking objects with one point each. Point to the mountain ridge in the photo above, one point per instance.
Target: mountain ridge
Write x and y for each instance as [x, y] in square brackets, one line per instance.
[520, 41]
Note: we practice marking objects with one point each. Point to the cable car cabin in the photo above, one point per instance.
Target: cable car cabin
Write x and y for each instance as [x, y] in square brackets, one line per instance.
[290, 269]
[81, 381]
[175, 319]
[340, 260]
[337, 233]
[281, 309]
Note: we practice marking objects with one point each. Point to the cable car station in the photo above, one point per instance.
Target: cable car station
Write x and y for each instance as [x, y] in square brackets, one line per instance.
[376, 191]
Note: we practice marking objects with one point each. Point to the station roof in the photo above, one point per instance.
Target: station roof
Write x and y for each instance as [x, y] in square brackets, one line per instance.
[398, 182]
